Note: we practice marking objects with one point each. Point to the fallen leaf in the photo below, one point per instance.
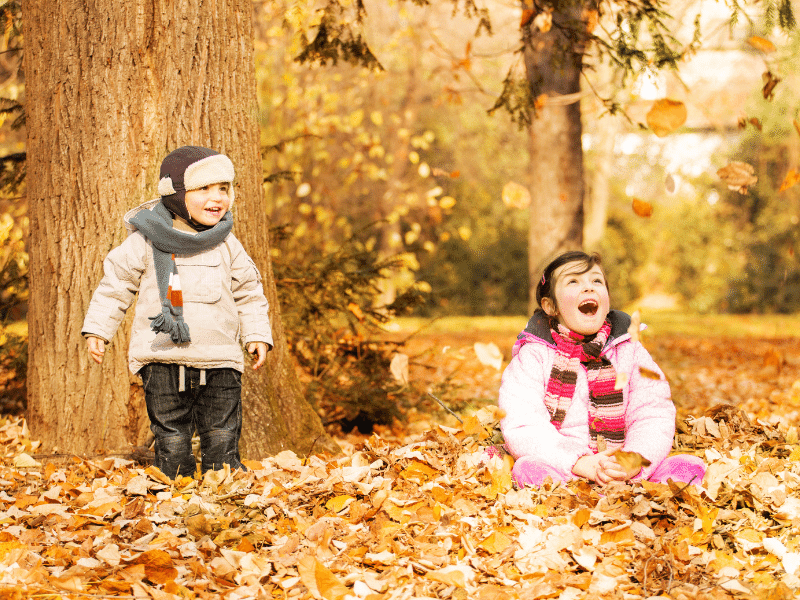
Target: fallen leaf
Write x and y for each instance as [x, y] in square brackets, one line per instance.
[665, 116]
[642, 208]
[495, 543]
[320, 580]
[516, 195]
[738, 176]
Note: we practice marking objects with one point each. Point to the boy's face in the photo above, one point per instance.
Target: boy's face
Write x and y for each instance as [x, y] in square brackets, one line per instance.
[207, 205]
[582, 301]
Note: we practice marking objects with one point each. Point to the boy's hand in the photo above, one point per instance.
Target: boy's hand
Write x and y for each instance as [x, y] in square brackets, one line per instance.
[259, 351]
[96, 347]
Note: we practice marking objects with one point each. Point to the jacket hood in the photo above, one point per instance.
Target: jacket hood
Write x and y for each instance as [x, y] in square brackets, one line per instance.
[132, 212]
[539, 326]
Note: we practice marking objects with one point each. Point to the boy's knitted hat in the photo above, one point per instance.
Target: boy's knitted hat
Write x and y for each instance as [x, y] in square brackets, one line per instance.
[190, 168]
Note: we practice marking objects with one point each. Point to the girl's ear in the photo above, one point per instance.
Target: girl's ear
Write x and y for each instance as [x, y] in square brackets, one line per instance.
[549, 307]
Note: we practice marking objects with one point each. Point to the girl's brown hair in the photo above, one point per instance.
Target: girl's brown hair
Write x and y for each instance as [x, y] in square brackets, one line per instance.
[546, 286]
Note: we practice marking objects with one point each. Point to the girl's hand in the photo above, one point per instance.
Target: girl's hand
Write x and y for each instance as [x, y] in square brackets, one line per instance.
[588, 466]
[96, 347]
[259, 350]
[610, 470]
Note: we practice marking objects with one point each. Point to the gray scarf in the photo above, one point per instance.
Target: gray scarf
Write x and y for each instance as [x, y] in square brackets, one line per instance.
[156, 226]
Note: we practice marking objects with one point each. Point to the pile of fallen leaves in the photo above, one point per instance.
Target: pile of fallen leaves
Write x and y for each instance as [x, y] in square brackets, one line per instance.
[432, 517]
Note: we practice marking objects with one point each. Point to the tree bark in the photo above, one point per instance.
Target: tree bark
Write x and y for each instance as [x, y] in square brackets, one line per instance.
[111, 87]
[553, 64]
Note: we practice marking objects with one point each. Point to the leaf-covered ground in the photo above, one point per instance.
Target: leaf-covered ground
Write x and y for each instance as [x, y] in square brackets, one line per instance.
[418, 511]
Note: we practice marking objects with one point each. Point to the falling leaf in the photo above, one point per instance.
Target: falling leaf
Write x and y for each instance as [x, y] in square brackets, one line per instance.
[399, 368]
[791, 179]
[320, 580]
[631, 461]
[762, 44]
[666, 116]
[642, 208]
[738, 176]
[621, 381]
[669, 184]
[756, 123]
[796, 124]
[489, 354]
[635, 327]
[648, 374]
[770, 81]
[516, 195]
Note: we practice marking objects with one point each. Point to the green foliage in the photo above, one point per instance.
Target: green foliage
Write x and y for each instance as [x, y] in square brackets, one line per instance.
[329, 313]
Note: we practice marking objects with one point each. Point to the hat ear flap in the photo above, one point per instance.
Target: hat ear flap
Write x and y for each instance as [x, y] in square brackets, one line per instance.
[165, 187]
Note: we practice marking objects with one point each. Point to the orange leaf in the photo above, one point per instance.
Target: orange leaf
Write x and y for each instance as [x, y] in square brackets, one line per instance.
[356, 310]
[527, 17]
[158, 566]
[642, 208]
[666, 116]
[762, 44]
[320, 580]
[791, 179]
[796, 124]
[516, 195]
[495, 543]
[648, 374]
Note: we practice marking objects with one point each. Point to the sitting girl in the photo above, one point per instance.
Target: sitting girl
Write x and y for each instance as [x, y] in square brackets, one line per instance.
[560, 396]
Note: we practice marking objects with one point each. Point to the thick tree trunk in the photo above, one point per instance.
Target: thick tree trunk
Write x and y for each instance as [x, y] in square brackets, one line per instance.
[111, 87]
[553, 65]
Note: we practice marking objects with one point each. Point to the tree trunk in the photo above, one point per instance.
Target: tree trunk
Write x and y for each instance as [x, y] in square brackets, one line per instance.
[553, 64]
[111, 87]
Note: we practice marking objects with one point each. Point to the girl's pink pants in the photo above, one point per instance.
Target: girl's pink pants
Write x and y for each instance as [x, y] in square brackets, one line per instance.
[681, 467]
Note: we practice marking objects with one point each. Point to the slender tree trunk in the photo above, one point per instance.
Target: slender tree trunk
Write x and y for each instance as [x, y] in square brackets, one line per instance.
[553, 64]
[111, 87]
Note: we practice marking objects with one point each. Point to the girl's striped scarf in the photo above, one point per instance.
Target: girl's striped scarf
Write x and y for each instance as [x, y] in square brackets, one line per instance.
[606, 407]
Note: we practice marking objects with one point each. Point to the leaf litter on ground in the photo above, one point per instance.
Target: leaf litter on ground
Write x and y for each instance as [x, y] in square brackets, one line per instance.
[431, 513]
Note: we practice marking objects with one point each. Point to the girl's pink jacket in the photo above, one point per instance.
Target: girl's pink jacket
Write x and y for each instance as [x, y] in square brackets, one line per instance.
[526, 427]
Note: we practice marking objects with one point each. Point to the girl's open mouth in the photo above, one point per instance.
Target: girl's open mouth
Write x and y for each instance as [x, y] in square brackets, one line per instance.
[588, 307]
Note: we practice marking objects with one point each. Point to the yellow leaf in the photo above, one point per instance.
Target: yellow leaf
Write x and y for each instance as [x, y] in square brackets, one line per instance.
[356, 310]
[791, 179]
[338, 503]
[642, 208]
[496, 542]
[320, 580]
[738, 176]
[794, 455]
[622, 537]
[621, 381]
[631, 461]
[516, 195]
[666, 116]
[762, 44]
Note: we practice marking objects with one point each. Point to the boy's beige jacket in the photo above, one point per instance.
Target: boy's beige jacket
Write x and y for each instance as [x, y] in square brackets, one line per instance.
[223, 304]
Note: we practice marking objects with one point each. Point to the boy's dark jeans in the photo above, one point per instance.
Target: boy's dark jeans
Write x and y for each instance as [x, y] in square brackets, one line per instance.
[213, 409]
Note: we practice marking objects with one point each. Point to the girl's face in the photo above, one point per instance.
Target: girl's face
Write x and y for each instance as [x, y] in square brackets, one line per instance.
[581, 299]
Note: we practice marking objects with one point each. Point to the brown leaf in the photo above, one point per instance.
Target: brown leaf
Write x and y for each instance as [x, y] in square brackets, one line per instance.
[762, 44]
[642, 208]
[770, 81]
[666, 116]
[738, 176]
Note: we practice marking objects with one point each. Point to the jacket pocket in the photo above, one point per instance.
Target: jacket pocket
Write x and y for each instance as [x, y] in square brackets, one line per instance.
[201, 276]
